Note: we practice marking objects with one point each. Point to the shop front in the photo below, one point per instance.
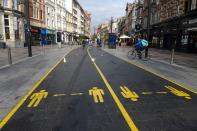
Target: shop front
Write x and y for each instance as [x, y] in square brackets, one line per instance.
[35, 36]
[165, 35]
[51, 37]
[189, 37]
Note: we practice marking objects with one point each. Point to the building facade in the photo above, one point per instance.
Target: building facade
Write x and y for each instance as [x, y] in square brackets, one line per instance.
[88, 24]
[69, 21]
[121, 25]
[177, 26]
[128, 18]
[81, 22]
[12, 23]
[37, 20]
[139, 22]
[50, 21]
[55, 21]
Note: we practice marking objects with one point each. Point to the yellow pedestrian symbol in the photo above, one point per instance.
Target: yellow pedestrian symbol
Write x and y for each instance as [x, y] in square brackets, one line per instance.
[97, 94]
[36, 98]
[126, 93]
[178, 93]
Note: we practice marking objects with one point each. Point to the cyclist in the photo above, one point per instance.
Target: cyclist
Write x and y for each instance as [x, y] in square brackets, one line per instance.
[140, 45]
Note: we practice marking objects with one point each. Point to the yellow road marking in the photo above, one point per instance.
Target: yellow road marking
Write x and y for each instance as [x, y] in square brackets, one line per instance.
[36, 98]
[178, 93]
[125, 114]
[97, 94]
[76, 94]
[126, 93]
[13, 111]
[57, 95]
[158, 75]
[147, 93]
[161, 92]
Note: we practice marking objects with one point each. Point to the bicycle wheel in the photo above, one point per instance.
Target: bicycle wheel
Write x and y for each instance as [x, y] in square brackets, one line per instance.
[132, 54]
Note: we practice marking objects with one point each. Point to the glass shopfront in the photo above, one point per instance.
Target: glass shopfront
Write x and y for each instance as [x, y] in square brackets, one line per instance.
[35, 36]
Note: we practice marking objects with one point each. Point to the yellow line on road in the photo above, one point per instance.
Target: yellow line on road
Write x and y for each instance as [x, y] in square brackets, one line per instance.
[57, 95]
[158, 75]
[147, 93]
[13, 111]
[161, 92]
[76, 94]
[125, 114]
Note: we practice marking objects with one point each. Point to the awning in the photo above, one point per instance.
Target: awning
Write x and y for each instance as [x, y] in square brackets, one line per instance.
[124, 37]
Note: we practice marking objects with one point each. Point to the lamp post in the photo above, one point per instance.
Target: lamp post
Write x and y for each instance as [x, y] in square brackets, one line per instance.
[27, 24]
[27, 30]
[148, 26]
[111, 24]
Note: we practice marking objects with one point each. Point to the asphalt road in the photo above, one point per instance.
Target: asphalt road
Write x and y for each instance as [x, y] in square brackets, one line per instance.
[126, 98]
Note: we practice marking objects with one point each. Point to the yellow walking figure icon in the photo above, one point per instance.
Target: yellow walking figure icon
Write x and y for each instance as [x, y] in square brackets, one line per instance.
[36, 98]
[126, 93]
[179, 93]
[97, 94]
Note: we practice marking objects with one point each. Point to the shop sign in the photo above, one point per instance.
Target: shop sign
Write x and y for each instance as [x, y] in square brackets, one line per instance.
[34, 30]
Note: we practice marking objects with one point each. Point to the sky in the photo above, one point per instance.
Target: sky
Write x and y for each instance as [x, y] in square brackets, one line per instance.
[102, 10]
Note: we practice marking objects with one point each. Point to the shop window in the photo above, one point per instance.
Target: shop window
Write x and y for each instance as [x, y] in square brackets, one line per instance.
[184, 40]
[7, 28]
[16, 34]
[16, 27]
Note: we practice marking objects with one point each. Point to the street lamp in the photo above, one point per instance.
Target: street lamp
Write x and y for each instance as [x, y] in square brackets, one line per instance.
[148, 26]
[27, 25]
[111, 24]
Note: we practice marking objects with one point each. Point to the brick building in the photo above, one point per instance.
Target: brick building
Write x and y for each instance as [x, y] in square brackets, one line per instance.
[37, 20]
[173, 24]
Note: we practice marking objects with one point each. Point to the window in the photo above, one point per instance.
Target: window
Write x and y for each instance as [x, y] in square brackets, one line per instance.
[193, 4]
[5, 3]
[16, 29]
[52, 23]
[41, 15]
[48, 22]
[7, 28]
[35, 12]
[52, 12]
[15, 4]
[47, 10]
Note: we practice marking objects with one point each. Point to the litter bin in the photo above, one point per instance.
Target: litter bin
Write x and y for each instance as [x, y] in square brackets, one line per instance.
[2, 45]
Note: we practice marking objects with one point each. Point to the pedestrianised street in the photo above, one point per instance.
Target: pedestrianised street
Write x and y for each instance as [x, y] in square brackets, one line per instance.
[98, 65]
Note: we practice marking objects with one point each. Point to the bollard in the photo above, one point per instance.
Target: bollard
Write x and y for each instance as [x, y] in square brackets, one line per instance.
[172, 57]
[9, 56]
[172, 53]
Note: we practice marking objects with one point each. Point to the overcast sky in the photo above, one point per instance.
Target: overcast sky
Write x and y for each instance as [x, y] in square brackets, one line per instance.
[102, 10]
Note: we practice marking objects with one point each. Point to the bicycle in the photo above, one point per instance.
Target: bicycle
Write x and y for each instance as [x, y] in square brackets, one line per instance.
[134, 53]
